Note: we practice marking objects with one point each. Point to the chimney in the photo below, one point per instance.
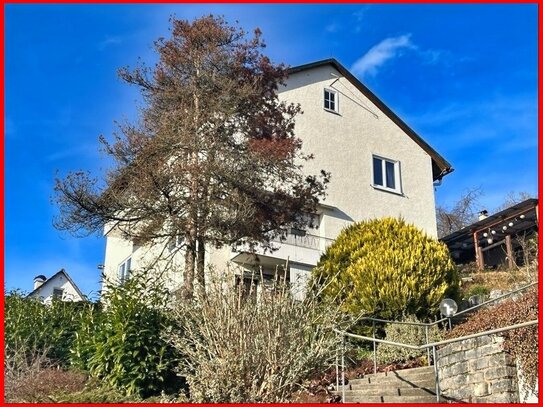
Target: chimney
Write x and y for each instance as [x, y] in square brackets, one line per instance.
[39, 280]
[483, 214]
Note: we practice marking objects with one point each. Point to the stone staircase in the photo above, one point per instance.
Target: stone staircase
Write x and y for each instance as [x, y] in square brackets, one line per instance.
[415, 385]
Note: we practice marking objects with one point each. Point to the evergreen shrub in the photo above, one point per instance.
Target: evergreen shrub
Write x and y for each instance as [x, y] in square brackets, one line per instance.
[123, 344]
[31, 328]
[408, 334]
[387, 268]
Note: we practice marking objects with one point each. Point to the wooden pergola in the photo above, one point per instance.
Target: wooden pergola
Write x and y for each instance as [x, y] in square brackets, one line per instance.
[498, 230]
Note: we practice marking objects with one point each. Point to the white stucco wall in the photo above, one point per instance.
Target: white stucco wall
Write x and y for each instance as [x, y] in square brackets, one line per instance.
[45, 292]
[156, 257]
[299, 277]
[344, 144]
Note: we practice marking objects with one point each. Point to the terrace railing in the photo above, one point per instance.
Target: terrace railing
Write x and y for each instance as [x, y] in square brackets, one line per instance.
[305, 240]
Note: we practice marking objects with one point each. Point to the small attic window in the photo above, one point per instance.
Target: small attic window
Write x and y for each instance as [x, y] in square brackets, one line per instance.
[330, 100]
[58, 293]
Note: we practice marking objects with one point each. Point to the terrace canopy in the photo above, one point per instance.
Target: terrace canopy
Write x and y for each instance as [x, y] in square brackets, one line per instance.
[497, 238]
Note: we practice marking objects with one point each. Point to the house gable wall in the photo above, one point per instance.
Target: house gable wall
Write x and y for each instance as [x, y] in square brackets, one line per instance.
[344, 143]
[45, 292]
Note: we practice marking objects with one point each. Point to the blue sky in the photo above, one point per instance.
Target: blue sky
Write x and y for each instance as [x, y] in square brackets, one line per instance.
[463, 76]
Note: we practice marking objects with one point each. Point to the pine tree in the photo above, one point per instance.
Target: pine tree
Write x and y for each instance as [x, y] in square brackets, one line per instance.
[213, 159]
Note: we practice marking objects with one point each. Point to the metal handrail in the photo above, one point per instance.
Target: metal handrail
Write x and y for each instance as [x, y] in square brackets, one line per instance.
[429, 324]
[432, 345]
[306, 240]
[445, 342]
[493, 300]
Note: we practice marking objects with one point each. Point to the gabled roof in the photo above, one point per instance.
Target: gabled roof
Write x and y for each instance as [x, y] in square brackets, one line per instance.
[61, 271]
[440, 166]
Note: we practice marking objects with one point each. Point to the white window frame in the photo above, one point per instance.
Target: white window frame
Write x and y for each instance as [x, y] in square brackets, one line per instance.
[336, 100]
[397, 174]
[124, 270]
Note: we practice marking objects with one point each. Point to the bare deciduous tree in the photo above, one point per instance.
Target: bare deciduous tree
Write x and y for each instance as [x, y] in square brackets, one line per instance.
[213, 159]
[513, 198]
[462, 213]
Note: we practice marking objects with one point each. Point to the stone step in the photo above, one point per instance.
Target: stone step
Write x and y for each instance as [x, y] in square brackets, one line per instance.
[415, 385]
[390, 391]
[428, 383]
[392, 378]
[406, 372]
[353, 398]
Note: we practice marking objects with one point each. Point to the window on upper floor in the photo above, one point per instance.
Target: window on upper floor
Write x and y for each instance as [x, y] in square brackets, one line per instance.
[124, 270]
[330, 100]
[386, 174]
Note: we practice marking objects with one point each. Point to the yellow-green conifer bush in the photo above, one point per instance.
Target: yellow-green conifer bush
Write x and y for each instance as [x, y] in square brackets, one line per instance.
[387, 268]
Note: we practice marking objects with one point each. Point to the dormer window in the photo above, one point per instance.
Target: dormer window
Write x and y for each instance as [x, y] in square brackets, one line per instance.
[330, 100]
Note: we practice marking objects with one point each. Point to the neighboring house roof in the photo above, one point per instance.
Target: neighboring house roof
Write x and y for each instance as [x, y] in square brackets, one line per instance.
[67, 276]
[440, 166]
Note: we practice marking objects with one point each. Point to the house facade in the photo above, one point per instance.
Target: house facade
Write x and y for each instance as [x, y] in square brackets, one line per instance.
[379, 168]
[59, 286]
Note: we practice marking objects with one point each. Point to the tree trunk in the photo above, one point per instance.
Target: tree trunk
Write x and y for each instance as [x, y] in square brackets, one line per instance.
[190, 257]
[200, 266]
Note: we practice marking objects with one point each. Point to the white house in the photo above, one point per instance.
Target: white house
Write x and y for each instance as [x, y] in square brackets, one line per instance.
[60, 286]
[379, 165]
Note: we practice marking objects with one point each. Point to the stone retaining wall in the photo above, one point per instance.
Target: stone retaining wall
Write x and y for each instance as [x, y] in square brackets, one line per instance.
[478, 371]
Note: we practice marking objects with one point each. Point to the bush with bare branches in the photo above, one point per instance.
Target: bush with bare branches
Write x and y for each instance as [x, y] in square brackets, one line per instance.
[256, 346]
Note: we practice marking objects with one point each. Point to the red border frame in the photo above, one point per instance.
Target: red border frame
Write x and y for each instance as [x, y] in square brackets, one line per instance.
[2, 108]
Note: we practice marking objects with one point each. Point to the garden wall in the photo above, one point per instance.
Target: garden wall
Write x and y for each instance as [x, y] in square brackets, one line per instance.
[478, 370]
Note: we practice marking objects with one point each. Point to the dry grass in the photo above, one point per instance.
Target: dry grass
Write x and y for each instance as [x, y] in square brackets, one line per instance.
[504, 279]
[41, 384]
[501, 280]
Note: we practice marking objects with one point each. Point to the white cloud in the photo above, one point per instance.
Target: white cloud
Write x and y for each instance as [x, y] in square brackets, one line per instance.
[387, 49]
[359, 17]
[331, 28]
[109, 41]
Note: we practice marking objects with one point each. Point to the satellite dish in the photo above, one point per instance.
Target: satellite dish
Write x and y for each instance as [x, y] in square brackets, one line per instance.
[448, 307]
